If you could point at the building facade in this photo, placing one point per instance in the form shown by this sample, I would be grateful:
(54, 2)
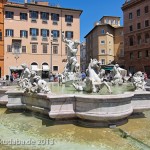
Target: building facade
(137, 35)
(105, 41)
(2, 2)
(83, 65)
(33, 36)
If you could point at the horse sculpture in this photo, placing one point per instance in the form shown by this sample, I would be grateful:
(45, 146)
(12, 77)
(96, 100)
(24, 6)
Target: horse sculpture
(96, 83)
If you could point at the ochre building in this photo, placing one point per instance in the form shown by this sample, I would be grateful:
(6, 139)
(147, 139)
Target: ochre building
(33, 36)
(105, 41)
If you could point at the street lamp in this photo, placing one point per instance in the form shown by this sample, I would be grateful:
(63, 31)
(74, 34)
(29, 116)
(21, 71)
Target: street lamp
(51, 65)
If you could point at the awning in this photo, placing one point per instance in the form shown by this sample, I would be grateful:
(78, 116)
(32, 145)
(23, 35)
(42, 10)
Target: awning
(34, 68)
(16, 68)
(45, 67)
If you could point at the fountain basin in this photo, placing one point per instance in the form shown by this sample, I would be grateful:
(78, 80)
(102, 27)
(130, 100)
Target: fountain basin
(92, 109)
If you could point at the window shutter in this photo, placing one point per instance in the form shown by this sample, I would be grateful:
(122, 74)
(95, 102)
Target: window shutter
(12, 33)
(41, 32)
(37, 32)
(12, 15)
(52, 18)
(27, 33)
(30, 14)
(66, 33)
(26, 16)
(58, 33)
(47, 32)
(6, 32)
(57, 17)
(71, 34)
(47, 16)
(71, 18)
(20, 16)
(37, 14)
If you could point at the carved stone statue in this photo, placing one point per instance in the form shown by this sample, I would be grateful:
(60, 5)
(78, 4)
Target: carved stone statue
(31, 83)
(71, 54)
(92, 82)
(138, 81)
(117, 77)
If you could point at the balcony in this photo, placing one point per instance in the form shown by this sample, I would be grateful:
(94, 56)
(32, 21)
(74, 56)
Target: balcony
(34, 38)
(33, 20)
(44, 39)
(55, 39)
(44, 21)
(69, 24)
(55, 22)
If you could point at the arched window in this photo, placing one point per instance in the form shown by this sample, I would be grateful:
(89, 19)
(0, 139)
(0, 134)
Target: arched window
(146, 38)
(34, 66)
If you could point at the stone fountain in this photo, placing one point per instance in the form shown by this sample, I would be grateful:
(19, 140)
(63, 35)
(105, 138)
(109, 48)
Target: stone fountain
(85, 109)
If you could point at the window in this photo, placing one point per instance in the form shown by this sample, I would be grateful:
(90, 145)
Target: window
(138, 25)
(23, 49)
(68, 18)
(34, 14)
(139, 39)
(44, 32)
(34, 32)
(139, 54)
(146, 9)
(55, 68)
(23, 33)
(146, 23)
(131, 41)
(102, 31)
(9, 48)
(44, 48)
(55, 49)
(44, 16)
(102, 42)
(102, 51)
(146, 53)
(9, 32)
(147, 38)
(55, 33)
(23, 16)
(131, 55)
(0, 36)
(69, 34)
(131, 28)
(9, 14)
(34, 48)
(130, 16)
(54, 17)
(138, 12)
(107, 21)
(103, 61)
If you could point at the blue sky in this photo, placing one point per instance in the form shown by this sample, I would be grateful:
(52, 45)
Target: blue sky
(93, 10)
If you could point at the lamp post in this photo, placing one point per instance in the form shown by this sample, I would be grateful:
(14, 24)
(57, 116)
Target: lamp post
(51, 63)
